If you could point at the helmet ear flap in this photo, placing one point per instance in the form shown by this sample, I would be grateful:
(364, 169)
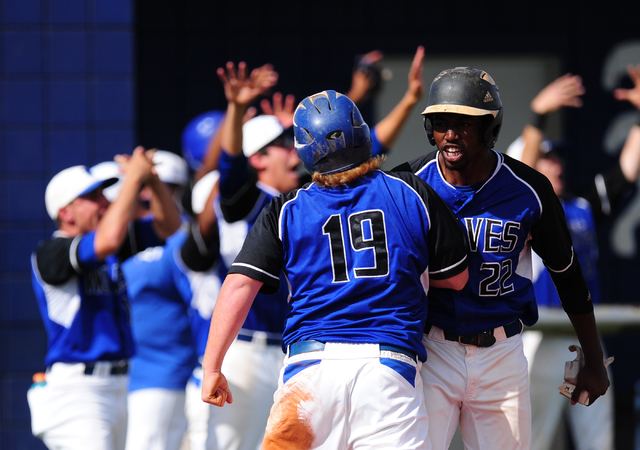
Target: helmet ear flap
(428, 127)
(493, 130)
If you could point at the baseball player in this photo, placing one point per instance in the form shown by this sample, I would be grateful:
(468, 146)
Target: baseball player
(476, 374)
(591, 427)
(165, 350)
(357, 271)
(82, 298)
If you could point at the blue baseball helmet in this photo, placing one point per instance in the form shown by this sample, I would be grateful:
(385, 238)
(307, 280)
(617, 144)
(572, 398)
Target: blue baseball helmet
(330, 134)
(196, 135)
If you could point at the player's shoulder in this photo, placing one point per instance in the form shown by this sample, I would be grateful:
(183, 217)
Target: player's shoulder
(52, 259)
(279, 202)
(416, 164)
(527, 174)
(408, 178)
(51, 247)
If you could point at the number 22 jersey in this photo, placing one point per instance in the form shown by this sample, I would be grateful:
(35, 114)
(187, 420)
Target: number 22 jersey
(505, 216)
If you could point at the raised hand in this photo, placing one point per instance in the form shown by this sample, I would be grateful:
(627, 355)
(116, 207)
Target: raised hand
(138, 165)
(283, 111)
(416, 84)
(242, 89)
(631, 95)
(564, 91)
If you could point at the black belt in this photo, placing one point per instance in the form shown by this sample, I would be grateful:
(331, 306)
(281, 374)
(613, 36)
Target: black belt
(483, 339)
(250, 338)
(117, 367)
(316, 346)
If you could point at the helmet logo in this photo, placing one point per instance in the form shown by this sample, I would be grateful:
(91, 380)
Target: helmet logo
(488, 97)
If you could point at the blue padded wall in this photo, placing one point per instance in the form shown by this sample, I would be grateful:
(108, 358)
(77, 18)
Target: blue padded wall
(67, 87)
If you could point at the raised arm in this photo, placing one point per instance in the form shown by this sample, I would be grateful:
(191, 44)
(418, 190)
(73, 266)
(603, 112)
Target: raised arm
(564, 91)
(389, 128)
(240, 90)
(162, 206)
(366, 77)
(113, 225)
(212, 153)
(630, 155)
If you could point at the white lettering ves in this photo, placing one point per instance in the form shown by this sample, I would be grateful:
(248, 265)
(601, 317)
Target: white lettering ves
(496, 236)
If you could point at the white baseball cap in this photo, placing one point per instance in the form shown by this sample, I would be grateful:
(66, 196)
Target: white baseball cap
(259, 132)
(171, 168)
(70, 184)
(201, 191)
(109, 169)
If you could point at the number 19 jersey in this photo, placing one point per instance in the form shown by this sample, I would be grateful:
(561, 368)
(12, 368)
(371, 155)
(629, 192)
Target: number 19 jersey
(357, 258)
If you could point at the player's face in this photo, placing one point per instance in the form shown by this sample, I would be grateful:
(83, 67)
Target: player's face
(280, 165)
(552, 169)
(86, 211)
(459, 139)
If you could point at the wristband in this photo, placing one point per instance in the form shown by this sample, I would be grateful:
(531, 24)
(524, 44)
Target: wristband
(539, 121)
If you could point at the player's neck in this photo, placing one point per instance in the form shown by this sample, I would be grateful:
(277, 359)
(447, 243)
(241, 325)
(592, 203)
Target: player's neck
(475, 171)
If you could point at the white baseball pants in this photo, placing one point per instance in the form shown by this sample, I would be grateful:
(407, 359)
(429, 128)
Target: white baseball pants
(75, 411)
(485, 390)
(345, 397)
(157, 419)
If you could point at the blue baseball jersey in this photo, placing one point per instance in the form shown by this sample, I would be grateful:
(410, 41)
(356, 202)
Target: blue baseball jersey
(82, 300)
(159, 294)
(514, 210)
(242, 200)
(357, 259)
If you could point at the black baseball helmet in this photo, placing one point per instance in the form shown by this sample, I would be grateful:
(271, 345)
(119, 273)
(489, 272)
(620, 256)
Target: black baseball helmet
(468, 91)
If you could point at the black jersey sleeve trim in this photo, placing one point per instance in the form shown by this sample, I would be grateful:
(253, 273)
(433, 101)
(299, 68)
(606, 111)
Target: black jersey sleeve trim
(53, 260)
(196, 254)
(573, 291)
(607, 191)
(242, 203)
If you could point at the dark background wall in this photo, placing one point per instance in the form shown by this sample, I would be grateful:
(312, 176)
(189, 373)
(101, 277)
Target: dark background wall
(82, 80)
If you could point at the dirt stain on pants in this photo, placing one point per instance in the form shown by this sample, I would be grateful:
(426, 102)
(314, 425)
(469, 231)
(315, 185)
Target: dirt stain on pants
(289, 425)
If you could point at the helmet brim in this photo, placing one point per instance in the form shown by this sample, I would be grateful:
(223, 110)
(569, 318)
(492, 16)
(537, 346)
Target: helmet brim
(459, 109)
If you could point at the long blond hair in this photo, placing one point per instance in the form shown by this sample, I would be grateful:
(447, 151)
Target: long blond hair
(346, 177)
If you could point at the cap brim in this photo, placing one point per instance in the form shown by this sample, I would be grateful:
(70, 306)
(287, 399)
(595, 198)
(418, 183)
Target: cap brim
(101, 183)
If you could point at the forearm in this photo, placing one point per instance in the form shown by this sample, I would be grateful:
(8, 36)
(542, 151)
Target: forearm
(231, 310)
(630, 155)
(207, 219)
(587, 333)
(113, 225)
(389, 128)
(212, 154)
(231, 130)
(532, 138)
(166, 216)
